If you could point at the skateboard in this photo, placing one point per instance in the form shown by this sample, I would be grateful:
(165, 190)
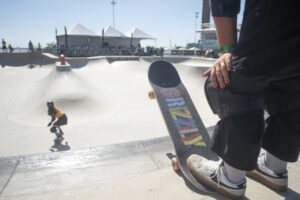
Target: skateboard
(186, 129)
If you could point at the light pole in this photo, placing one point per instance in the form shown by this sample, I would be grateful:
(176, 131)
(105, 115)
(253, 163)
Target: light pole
(113, 2)
(196, 16)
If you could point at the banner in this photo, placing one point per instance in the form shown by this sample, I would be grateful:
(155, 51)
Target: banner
(210, 44)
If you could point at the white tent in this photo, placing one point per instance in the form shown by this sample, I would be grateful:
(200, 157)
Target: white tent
(78, 37)
(112, 32)
(78, 29)
(138, 34)
(193, 49)
(168, 50)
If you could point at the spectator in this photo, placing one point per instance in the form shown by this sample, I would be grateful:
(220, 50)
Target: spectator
(11, 49)
(30, 46)
(39, 48)
(4, 45)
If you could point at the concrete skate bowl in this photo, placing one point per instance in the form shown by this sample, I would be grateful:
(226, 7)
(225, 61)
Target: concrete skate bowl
(107, 96)
(70, 91)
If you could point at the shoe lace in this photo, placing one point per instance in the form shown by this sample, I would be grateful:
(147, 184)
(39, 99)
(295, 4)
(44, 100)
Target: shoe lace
(217, 170)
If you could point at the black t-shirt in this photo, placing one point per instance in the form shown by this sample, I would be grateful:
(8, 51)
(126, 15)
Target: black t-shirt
(269, 41)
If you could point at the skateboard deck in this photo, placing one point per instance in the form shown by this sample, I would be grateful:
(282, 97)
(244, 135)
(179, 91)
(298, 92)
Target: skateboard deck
(186, 129)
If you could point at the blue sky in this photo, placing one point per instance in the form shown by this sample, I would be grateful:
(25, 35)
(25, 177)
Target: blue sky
(169, 21)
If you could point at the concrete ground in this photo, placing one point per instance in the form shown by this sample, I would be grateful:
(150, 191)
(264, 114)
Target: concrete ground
(134, 170)
(116, 144)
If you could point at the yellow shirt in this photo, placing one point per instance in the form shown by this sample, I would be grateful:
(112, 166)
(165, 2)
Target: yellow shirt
(58, 113)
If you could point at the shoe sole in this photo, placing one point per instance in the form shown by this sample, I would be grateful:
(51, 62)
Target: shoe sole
(267, 182)
(212, 184)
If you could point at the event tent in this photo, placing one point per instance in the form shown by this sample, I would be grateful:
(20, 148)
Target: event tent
(109, 31)
(78, 37)
(137, 34)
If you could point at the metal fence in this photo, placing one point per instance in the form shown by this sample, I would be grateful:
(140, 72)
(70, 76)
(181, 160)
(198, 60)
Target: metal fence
(104, 52)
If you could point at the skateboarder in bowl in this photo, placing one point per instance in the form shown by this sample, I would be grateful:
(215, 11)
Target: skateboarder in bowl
(260, 71)
(61, 117)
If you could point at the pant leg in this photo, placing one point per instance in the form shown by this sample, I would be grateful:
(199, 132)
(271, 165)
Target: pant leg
(239, 134)
(282, 137)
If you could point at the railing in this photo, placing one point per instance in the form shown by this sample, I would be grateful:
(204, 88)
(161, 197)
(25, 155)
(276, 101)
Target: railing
(75, 52)
(104, 52)
(24, 50)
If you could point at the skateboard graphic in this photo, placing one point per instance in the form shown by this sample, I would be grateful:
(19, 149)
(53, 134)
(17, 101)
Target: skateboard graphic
(186, 129)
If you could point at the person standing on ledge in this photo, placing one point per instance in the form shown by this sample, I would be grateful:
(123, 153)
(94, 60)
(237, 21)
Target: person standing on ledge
(30, 46)
(11, 49)
(260, 71)
(4, 45)
(61, 117)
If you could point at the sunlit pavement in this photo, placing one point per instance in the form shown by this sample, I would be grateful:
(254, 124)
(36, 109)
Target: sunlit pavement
(116, 144)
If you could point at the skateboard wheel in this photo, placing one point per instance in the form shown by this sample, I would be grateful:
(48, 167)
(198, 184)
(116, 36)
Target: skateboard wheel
(175, 164)
(151, 95)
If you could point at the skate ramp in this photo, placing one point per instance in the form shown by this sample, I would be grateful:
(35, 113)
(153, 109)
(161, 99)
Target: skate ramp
(106, 103)
(70, 92)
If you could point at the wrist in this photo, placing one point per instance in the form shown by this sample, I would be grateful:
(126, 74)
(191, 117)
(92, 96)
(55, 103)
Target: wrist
(226, 49)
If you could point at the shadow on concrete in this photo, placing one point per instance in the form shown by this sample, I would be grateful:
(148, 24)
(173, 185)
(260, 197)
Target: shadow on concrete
(290, 194)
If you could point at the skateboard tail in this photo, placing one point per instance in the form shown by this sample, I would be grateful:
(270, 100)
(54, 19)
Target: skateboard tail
(187, 173)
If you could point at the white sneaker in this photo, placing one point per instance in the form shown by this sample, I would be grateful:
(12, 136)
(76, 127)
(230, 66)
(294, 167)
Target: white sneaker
(212, 173)
(276, 180)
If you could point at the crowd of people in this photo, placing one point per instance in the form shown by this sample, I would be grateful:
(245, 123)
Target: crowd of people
(4, 48)
(10, 49)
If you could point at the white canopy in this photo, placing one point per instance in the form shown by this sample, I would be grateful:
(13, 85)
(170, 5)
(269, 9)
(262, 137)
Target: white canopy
(194, 49)
(111, 32)
(80, 30)
(136, 33)
(207, 30)
(170, 48)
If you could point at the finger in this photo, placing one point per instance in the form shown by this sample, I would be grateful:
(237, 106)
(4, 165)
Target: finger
(224, 72)
(219, 75)
(228, 61)
(207, 73)
(213, 77)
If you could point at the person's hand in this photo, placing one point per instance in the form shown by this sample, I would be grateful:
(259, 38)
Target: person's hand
(219, 71)
(50, 124)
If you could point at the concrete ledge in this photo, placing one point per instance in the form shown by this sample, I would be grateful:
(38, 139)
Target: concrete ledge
(21, 175)
(134, 170)
(63, 68)
(41, 173)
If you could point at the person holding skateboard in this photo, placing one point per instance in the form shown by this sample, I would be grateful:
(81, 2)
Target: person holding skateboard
(260, 71)
(61, 117)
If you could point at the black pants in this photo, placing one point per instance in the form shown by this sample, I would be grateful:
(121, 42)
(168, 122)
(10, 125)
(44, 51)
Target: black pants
(243, 130)
(63, 120)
